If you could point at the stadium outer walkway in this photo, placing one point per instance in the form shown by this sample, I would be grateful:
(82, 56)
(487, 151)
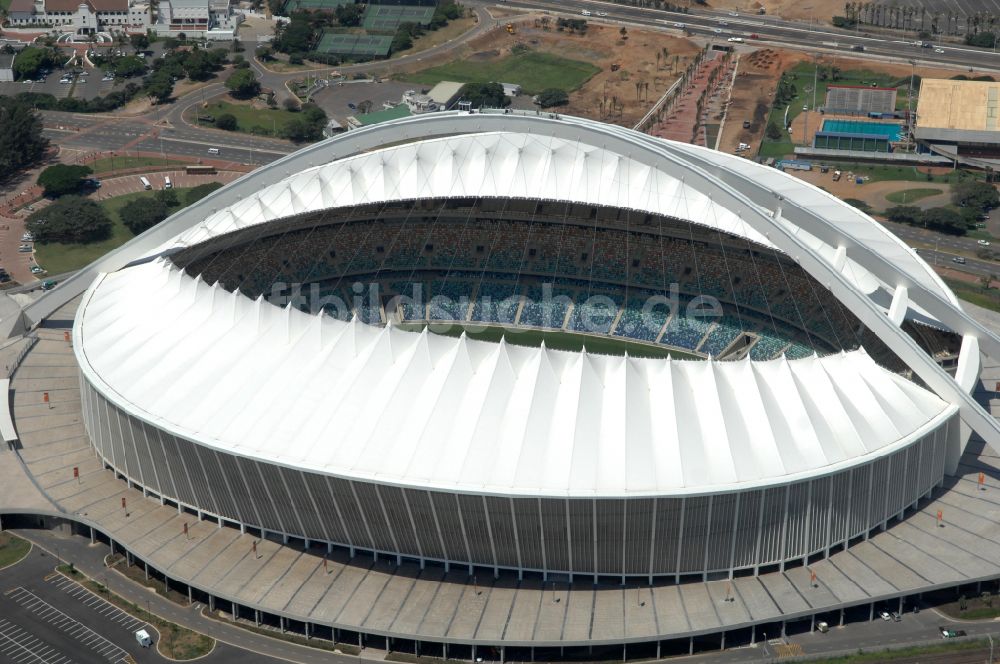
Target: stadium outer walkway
(376, 602)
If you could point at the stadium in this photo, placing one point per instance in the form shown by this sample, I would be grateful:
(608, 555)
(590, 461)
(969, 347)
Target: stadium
(531, 345)
(320, 421)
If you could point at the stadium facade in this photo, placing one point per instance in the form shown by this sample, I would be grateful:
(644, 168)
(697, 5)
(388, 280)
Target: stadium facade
(819, 399)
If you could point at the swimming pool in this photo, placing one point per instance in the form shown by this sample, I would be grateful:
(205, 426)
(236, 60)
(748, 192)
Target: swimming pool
(889, 130)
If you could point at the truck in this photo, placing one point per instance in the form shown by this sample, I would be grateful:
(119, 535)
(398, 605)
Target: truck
(836, 176)
(143, 639)
(144, 181)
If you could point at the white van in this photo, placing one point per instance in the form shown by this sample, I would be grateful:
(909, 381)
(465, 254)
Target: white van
(585, 12)
(167, 184)
(145, 183)
(143, 639)
(213, 151)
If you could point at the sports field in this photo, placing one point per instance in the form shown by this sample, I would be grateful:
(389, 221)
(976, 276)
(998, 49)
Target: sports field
(352, 45)
(386, 18)
(534, 71)
(313, 5)
(604, 345)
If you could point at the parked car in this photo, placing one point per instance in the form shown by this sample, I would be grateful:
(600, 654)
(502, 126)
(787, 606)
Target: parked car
(36, 269)
(27, 237)
(984, 243)
(939, 50)
(884, 615)
(951, 633)
(958, 259)
(896, 617)
(25, 249)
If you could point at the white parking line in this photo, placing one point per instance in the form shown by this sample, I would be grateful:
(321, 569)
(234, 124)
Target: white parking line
(99, 604)
(71, 626)
(22, 647)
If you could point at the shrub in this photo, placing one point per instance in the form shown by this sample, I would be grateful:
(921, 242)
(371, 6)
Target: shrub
(226, 121)
(70, 219)
(62, 179)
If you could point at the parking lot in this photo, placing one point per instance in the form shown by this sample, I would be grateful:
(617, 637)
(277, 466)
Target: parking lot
(106, 650)
(47, 619)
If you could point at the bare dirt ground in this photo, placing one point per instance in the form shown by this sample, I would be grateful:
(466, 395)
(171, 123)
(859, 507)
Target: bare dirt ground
(752, 95)
(602, 45)
(874, 193)
(810, 10)
(757, 77)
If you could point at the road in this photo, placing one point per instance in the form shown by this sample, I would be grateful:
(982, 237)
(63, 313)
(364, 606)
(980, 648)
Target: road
(720, 24)
(47, 619)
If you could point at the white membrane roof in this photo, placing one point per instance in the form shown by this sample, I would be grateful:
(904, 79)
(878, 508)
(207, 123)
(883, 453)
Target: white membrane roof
(422, 410)
(522, 165)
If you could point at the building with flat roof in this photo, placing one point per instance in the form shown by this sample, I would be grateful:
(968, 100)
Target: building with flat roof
(6, 67)
(960, 120)
(80, 16)
(445, 94)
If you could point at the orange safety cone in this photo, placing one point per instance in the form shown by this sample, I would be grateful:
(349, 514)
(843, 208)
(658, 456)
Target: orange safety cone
(982, 481)
(45, 399)
(940, 517)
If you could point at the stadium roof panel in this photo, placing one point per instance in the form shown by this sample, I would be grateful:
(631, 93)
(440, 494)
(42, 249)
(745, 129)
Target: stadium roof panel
(958, 105)
(418, 409)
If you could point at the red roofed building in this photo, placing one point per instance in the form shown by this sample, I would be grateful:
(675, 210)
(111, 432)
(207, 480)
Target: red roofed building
(80, 16)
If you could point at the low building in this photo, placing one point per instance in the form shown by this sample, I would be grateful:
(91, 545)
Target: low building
(80, 17)
(960, 120)
(445, 94)
(419, 103)
(213, 19)
(6, 67)
(511, 89)
(386, 114)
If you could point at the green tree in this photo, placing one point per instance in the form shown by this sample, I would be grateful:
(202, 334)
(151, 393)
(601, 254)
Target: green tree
(195, 194)
(944, 220)
(129, 66)
(159, 87)
(21, 140)
(298, 130)
(199, 65)
(168, 197)
(552, 97)
(243, 84)
(983, 39)
(139, 42)
(904, 214)
(975, 194)
(141, 214)
(484, 95)
(31, 59)
(295, 36)
(226, 121)
(70, 219)
(349, 15)
(62, 179)
(773, 131)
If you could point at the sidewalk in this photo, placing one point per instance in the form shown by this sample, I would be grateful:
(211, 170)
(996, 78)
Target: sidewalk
(90, 560)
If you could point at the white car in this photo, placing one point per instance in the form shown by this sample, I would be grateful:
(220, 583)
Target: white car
(737, 40)
(939, 50)
(884, 615)
(717, 30)
(678, 25)
(25, 249)
(984, 243)
(734, 13)
(27, 237)
(602, 13)
(27, 80)
(585, 12)
(36, 270)
(108, 78)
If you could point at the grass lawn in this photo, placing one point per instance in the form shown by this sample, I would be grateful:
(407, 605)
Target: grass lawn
(57, 257)
(912, 653)
(106, 165)
(555, 340)
(175, 642)
(532, 70)
(265, 122)
(4, 5)
(12, 549)
(437, 37)
(908, 196)
(987, 299)
(880, 173)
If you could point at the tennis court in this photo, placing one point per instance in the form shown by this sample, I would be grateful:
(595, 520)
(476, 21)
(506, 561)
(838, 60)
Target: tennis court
(386, 18)
(353, 45)
(313, 5)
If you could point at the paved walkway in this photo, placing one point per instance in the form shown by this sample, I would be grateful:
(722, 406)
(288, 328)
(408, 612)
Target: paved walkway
(382, 598)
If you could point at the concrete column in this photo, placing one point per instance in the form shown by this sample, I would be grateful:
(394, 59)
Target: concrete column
(243, 529)
(211, 602)
(658, 649)
(190, 597)
(753, 634)
(329, 548)
(901, 601)
(871, 612)
(146, 567)
(281, 623)
(256, 616)
(446, 651)
(690, 645)
(722, 646)
(92, 538)
(812, 624)
(782, 629)
(841, 617)
(308, 635)
(503, 654)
